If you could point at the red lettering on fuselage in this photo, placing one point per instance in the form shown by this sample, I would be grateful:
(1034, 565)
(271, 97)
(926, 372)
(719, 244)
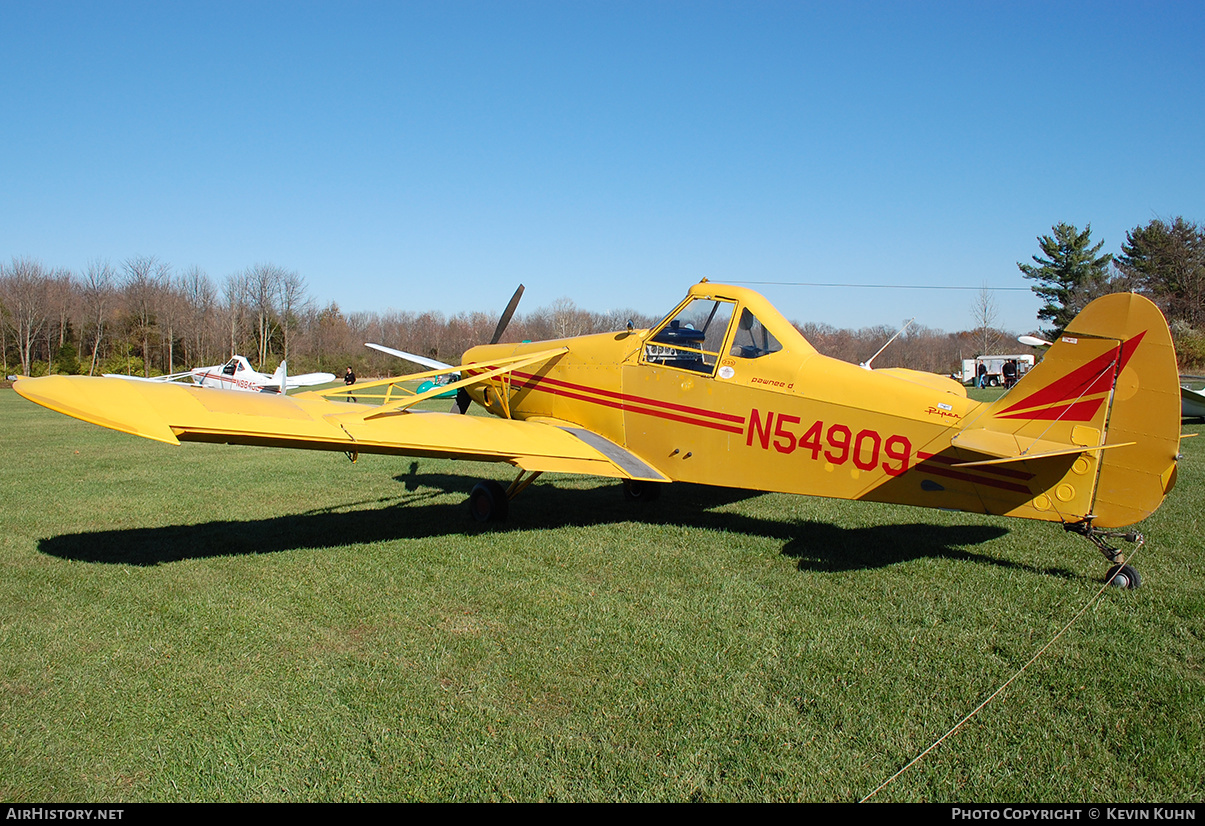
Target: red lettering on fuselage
(837, 441)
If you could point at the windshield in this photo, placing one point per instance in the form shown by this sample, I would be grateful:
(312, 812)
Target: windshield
(692, 339)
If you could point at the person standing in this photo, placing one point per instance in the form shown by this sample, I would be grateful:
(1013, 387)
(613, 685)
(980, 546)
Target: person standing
(1010, 373)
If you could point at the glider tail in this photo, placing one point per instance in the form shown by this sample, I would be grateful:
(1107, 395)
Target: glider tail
(279, 380)
(1111, 382)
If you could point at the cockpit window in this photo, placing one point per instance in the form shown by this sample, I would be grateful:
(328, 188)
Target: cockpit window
(752, 339)
(230, 367)
(692, 339)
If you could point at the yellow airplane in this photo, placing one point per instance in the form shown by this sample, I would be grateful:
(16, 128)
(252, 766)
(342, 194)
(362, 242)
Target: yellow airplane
(725, 391)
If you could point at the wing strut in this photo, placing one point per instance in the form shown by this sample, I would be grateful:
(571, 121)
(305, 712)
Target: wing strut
(497, 368)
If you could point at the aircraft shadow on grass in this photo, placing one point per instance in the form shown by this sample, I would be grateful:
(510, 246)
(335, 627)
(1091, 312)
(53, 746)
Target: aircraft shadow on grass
(424, 512)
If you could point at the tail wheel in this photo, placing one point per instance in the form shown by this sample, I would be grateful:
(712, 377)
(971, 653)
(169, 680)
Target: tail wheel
(488, 502)
(635, 490)
(1123, 576)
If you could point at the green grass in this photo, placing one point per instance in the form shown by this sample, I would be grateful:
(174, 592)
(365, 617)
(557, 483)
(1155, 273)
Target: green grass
(212, 623)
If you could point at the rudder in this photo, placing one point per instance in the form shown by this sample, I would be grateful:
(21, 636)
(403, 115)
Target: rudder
(1144, 409)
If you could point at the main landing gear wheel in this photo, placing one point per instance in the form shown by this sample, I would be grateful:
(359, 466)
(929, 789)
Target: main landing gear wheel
(1123, 576)
(635, 490)
(488, 502)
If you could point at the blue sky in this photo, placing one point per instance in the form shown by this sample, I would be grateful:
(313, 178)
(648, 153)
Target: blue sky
(432, 155)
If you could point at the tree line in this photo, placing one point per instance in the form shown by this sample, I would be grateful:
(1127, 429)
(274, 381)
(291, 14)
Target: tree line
(143, 317)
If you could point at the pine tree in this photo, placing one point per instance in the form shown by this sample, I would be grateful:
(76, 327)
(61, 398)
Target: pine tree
(1070, 271)
(1167, 259)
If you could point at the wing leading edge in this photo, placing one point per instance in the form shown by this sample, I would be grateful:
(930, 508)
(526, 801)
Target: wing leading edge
(176, 413)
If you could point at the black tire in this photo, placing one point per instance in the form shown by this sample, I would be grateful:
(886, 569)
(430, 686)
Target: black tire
(1123, 576)
(488, 502)
(635, 490)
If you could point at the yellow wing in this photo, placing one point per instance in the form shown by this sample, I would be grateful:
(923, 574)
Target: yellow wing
(175, 413)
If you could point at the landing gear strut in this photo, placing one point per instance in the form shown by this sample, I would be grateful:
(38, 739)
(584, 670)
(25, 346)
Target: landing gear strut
(1120, 575)
(490, 502)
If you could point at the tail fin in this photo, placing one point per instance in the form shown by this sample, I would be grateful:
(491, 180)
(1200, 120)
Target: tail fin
(1145, 409)
(1109, 381)
(279, 380)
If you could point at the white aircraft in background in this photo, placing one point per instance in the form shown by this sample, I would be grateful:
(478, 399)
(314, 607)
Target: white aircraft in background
(237, 374)
(1192, 402)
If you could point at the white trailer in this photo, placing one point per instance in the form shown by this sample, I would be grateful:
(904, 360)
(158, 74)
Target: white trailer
(993, 375)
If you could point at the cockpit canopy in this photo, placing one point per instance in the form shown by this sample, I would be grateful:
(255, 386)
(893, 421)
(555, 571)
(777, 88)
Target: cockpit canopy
(707, 329)
(235, 365)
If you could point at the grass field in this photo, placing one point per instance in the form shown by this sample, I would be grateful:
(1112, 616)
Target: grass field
(212, 623)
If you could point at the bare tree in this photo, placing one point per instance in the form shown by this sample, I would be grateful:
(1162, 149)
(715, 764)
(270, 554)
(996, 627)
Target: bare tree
(24, 290)
(144, 277)
(985, 315)
(263, 288)
(200, 300)
(171, 310)
(234, 295)
(97, 293)
(293, 301)
(61, 298)
(331, 336)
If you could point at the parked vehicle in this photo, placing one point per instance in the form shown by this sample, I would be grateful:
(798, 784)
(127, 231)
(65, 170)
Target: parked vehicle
(992, 369)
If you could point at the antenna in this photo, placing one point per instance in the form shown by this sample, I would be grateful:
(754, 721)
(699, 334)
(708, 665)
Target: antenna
(866, 364)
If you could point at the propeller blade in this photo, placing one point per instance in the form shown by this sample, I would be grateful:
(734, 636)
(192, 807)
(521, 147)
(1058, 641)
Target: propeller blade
(506, 314)
(422, 361)
(463, 400)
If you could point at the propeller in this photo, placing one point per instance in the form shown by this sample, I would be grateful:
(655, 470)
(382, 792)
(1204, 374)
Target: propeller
(463, 400)
(506, 315)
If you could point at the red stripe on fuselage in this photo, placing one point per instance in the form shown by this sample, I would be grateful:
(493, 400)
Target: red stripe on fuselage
(634, 404)
(975, 480)
(930, 463)
(259, 388)
(1011, 473)
(626, 397)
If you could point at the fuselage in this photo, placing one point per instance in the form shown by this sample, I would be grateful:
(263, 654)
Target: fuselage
(724, 391)
(703, 407)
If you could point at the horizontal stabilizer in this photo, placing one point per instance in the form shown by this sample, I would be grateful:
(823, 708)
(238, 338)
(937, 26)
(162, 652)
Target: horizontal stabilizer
(155, 379)
(1014, 447)
(1048, 454)
(310, 379)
